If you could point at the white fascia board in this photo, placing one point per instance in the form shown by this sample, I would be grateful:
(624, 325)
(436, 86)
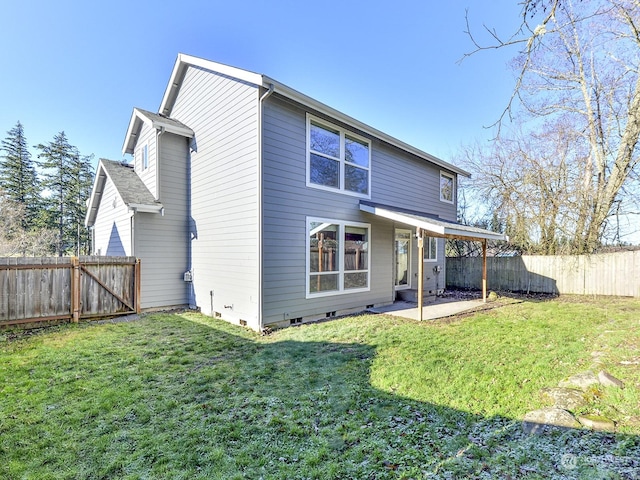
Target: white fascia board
(171, 128)
(346, 119)
(399, 217)
(138, 117)
(183, 61)
(96, 195)
(487, 235)
(129, 140)
(442, 230)
(139, 207)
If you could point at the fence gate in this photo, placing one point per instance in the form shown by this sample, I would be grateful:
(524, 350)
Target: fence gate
(67, 288)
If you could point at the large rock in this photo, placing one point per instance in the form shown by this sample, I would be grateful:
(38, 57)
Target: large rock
(597, 422)
(580, 380)
(539, 421)
(564, 398)
(609, 380)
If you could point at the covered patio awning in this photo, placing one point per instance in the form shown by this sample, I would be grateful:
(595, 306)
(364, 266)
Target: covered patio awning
(434, 226)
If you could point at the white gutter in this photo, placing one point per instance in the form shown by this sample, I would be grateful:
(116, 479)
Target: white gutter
(440, 228)
(264, 96)
(159, 132)
(142, 208)
(183, 61)
(346, 119)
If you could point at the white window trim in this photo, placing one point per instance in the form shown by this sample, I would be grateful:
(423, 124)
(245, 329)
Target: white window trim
(342, 161)
(341, 228)
(144, 147)
(410, 253)
(453, 187)
(427, 249)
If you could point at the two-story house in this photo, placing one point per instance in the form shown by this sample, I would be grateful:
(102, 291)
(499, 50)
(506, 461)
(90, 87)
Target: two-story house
(259, 204)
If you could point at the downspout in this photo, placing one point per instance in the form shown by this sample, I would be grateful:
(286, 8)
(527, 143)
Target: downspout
(133, 233)
(159, 133)
(264, 96)
(191, 237)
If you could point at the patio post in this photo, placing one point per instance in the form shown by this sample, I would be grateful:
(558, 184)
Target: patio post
(420, 235)
(484, 270)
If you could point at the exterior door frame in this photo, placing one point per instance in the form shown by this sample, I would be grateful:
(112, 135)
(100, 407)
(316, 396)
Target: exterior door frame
(395, 258)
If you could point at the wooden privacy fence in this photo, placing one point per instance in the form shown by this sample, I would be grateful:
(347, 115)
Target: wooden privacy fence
(602, 274)
(67, 288)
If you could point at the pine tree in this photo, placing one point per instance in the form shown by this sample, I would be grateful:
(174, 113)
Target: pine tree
(68, 182)
(18, 177)
(76, 199)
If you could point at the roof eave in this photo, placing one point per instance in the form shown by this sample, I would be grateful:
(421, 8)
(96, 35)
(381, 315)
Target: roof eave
(138, 118)
(132, 133)
(184, 61)
(96, 195)
(145, 208)
(305, 100)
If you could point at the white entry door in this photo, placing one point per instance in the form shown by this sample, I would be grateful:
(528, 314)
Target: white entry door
(403, 258)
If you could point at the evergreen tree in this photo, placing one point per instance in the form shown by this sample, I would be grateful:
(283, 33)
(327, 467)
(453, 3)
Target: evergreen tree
(68, 182)
(18, 177)
(76, 199)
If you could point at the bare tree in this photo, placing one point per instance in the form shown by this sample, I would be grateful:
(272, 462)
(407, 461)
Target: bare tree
(577, 68)
(15, 239)
(530, 185)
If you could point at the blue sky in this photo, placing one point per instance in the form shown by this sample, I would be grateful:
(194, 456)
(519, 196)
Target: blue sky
(81, 67)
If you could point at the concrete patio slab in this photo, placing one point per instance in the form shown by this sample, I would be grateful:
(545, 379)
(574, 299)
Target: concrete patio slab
(430, 311)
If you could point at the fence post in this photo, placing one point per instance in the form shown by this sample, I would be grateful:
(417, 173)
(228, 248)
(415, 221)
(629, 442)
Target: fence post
(75, 289)
(137, 284)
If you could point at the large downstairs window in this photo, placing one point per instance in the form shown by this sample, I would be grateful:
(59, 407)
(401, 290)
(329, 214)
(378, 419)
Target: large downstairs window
(337, 159)
(338, 257)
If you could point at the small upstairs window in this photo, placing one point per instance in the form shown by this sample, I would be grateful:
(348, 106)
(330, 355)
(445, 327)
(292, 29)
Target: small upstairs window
(447, 187)
(145, 157)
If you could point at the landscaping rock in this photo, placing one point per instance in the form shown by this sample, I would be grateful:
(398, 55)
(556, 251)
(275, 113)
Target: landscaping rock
(581, 380)
(492, 297)
(564, 398)
(597, 422)
(633, 421)
(539, 421)
(609, 380)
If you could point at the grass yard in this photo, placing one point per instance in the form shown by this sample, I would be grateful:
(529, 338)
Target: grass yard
(365, 397)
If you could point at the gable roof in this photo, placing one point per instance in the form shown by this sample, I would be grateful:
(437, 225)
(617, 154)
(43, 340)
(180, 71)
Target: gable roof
(155, 120)
(130, 188)
(183, 62)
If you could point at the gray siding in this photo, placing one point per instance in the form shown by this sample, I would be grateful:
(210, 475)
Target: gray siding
(112, 228)
(224, 185)
(396, 179)
(161, 241)
(147, 175)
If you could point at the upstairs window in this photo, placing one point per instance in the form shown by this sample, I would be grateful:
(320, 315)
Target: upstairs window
(447, 186)
(337, 160)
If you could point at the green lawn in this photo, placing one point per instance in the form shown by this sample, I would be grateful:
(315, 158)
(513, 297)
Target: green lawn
(364, 397)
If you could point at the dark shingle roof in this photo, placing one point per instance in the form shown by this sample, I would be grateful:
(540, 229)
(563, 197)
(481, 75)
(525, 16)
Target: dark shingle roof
(128, 184)
(162, 119)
